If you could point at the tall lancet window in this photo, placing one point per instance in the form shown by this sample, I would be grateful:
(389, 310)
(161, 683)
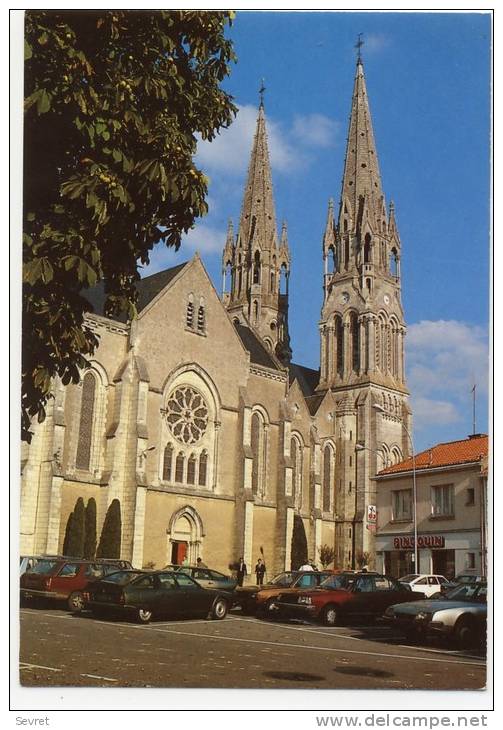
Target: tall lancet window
(167, 463)
(255, 448)
(296, 459)
(83, 457)
(339, 343)
(366, 249)
(355, 342)
(327, 478)
(256, 268)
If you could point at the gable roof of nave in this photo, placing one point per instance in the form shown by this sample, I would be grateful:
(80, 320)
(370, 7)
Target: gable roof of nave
(151, 287)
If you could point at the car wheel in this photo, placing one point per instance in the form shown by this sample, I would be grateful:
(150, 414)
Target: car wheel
(76, 602)
(330, 616)
(464, 633)
(219, 609)
(143, 616)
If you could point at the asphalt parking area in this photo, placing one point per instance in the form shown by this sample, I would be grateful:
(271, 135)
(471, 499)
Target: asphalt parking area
(58, 648)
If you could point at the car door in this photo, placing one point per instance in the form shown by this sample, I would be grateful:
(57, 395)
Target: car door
(145, 593)
(194, 600)
(362, 594)
(170, 598)
(389, 592)
(65, 581)
(203, 577)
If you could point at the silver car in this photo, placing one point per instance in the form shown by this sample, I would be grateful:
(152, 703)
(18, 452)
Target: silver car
(460, 615)
(207, 577)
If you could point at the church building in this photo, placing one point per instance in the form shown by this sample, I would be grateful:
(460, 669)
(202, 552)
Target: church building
(195, 417)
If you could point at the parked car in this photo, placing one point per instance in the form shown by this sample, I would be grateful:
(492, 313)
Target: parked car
(461, 579)
(207, 577)
(141, 595)
(424, 583)
(265, 599)
(460, 615)
(344, 596)
(28, 562)
(64, 580)
(246, 596)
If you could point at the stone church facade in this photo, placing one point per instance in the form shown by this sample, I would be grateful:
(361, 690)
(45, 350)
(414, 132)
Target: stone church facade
(194, 415)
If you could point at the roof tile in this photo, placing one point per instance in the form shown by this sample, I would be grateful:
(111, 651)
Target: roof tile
(466, 451)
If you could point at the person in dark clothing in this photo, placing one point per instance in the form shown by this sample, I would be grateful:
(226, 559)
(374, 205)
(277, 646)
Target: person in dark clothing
(260, 571)
(241, 571)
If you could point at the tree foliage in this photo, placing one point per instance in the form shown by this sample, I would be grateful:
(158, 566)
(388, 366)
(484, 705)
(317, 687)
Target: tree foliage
(327, 555)
(110, 540)
(299, 543)
(68, 532)
(90, 530)
(113, 103)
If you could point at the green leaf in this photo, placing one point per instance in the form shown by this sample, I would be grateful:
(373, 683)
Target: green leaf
(43, 102)
(117, 155)
(28, 53)
(42, 39)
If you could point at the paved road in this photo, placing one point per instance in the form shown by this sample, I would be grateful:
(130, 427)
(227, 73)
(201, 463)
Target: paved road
(59, 649)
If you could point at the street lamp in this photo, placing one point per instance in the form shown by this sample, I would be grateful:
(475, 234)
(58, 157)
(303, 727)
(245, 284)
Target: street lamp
(380, 409)
(362, 447)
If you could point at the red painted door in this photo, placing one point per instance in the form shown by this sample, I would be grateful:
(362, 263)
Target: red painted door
(178, 552)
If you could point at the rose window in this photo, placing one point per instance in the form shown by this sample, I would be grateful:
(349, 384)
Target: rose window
(187, 415)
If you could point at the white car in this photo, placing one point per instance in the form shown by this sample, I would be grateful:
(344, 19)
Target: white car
(427, 584)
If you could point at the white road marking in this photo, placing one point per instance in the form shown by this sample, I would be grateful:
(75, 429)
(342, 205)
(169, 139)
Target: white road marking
(96, 676)
(314, 648)
(321, 632)
(25, 665)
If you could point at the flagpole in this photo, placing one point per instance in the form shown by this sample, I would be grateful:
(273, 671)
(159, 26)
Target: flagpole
(474, 422)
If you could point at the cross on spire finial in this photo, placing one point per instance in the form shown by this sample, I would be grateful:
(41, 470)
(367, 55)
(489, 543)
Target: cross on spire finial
(359, 43)
(261, 92)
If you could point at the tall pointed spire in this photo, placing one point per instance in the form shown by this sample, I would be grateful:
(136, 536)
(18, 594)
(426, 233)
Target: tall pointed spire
(257, 225)
(259, 267)
(361, 169)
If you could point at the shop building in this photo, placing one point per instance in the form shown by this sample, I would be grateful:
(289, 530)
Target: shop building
(451, 489)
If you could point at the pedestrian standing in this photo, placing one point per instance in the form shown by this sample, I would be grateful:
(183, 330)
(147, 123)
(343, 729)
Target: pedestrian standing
(241, 571)
(260, 571)
(200, 563)
(307, 566)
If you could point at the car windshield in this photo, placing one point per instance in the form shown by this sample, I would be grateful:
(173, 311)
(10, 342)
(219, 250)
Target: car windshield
(335, 582)
(408, 578)
(283, 579)
(44, 566)
(122, 577)
(468, 592)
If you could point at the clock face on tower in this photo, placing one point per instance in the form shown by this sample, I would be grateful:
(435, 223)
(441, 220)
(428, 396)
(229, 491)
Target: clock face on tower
(386, 299)
(344, 297)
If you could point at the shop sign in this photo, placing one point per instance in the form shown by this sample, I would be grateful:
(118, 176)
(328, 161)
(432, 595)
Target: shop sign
(423, 541)
(371, 513)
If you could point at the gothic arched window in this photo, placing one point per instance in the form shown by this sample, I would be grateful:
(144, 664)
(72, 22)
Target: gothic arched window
(327, 478)
(296, 459)
(366, 249)
(191, 469)
(167, 463)
(83, 457)
(201, 316)
(256, 268)
(203, 467)
(339, 342)
(180, 459)
(355, 342)
(256, 448)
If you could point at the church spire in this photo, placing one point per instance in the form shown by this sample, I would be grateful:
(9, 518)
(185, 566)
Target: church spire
(256, 267)
(257, 226)
(361, 180)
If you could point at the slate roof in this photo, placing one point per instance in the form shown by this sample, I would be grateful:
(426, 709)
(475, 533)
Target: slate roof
(307, 378)
(467, 451)
(148, 288)
(259, 354)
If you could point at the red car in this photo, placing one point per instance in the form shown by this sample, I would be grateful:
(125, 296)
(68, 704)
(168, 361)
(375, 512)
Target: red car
(65, 580)
(356, 595)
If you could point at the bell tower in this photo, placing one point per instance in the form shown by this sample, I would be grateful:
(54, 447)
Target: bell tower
(362, 330)
(255, 265)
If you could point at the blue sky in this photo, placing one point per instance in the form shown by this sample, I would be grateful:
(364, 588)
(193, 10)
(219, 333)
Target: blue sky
(428, 79)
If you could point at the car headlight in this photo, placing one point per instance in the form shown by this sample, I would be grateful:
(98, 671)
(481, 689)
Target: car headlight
(423, 616)
(304, 599)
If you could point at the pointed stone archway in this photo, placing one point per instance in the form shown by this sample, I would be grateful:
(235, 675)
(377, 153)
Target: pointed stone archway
(185, 536)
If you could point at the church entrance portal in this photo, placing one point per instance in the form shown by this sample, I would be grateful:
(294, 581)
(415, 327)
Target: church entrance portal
(185, 536)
